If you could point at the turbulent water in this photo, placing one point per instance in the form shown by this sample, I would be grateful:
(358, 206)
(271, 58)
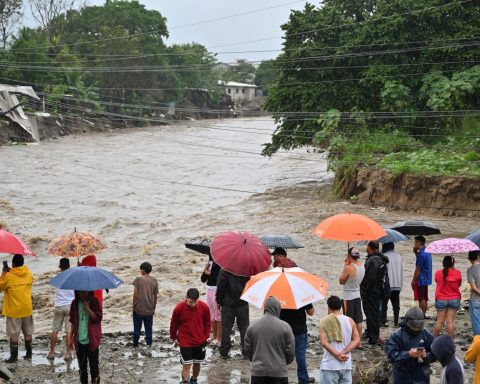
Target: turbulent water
(147, 191)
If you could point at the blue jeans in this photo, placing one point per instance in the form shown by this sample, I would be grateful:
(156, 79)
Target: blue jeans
(301, 342)
(137, 328)
(474, 311)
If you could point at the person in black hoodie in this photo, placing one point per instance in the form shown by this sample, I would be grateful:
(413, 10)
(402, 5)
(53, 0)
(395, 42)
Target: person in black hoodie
(229, 290)
(443, 349)
(373, 290)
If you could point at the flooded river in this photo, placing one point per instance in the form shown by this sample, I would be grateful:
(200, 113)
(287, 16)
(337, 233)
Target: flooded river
(147, 191)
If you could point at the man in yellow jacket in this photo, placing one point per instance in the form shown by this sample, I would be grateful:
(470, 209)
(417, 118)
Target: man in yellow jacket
(473, 356)
(17, 282)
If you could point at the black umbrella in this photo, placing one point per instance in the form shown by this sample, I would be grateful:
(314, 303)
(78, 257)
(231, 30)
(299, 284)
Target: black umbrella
(199, 245)
(416, 227)
(284, 241)
(475, 237)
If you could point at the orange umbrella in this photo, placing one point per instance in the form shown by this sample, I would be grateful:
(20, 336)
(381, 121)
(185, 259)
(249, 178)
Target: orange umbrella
(349, 227)
(293, 287)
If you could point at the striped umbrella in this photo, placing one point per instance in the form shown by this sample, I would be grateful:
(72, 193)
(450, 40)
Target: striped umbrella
(293, 287)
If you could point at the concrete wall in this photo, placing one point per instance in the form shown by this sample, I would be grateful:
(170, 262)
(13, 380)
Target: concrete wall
(240, 94)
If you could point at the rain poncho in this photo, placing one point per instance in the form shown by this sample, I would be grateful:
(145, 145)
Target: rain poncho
(444, 350)
(17, 284)
(407, 370)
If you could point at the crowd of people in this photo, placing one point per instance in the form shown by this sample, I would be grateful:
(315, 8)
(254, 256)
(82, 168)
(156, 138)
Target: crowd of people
(280, 337)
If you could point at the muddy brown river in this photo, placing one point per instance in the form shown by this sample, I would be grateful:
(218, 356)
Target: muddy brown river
(146, 192)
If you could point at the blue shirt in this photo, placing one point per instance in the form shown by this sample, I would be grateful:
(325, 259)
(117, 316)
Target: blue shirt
(424, 262)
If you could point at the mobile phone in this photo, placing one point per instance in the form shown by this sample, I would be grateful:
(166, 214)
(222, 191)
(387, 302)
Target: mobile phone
(5, 265)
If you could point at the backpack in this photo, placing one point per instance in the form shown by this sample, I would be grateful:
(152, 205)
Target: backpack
(385, 284)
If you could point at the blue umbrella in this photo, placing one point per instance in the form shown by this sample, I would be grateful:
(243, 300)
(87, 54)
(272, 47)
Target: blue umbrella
(475, 237)
(392, 236)
(85, 279)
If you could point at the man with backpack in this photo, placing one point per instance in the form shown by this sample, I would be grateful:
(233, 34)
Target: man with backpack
(374, 289)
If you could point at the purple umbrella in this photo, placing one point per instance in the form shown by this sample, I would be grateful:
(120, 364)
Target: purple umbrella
(452, 245)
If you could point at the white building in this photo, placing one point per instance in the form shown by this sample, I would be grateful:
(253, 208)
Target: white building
(239, 92)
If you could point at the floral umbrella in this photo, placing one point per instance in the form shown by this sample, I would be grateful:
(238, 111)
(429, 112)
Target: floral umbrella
(452, 245)
(76, 244)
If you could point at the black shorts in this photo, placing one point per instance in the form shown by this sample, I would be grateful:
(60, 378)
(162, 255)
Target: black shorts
(191, 355)
(353, 309)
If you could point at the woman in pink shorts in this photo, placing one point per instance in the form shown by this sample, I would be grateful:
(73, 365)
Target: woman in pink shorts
(210, 275)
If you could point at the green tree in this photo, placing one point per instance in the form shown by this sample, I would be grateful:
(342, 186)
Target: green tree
(10, 15)
(242, 72)
(266, 75)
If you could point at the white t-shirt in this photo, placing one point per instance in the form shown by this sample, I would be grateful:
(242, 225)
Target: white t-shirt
(63, 297)
(329, 362)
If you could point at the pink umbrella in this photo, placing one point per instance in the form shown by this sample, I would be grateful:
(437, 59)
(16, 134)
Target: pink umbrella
(452, 245)
(9, 243)
(240, 253)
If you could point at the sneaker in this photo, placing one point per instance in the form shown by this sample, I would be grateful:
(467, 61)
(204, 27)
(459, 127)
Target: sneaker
(193, 381)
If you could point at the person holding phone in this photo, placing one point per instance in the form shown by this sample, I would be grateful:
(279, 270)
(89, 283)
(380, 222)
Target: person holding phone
(409, 350)
(16, 283)
(210, 276)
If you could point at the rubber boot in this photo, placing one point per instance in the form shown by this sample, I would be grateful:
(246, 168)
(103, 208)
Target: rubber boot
(395, 317)
(13, 353)
(28, 349)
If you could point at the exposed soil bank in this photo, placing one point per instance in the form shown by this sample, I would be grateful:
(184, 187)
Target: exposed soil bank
(450, 196)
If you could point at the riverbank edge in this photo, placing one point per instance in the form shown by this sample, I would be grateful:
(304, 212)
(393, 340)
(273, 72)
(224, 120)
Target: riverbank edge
(443, 195)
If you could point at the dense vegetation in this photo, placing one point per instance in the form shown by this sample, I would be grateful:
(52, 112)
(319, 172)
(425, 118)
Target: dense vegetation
(390, 83)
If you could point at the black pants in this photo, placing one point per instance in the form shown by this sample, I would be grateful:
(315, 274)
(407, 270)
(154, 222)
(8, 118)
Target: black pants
(87, 357)
(268, 380)
(229, 315)
(372, 307)
(395, 299)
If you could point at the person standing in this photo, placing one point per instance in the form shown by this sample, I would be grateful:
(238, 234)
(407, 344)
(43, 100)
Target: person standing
(86, 317)
(473, 278)
(281, 260)
(17, 282)
(339, 337)
(422, 277)
(210, 276)
(229, 290)
(145, 295)
(473, 356)
(270, 346)
(373, 290)
(297, 319)
(190, 330)
(447, 296)
(91, 261)
(409, 350)
(395, 278)
(61, 315)
(443, 349)
(351, 278)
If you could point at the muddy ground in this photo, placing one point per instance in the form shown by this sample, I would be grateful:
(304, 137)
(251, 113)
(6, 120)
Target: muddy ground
(132, 188)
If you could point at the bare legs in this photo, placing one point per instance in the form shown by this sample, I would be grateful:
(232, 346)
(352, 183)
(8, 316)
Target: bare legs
(186, 371)
(423, 304)
(448, 316)
(217, 331)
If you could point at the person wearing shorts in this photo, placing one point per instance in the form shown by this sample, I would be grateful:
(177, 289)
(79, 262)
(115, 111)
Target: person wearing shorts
(422, 277)
(447, 296)
(210, 276)
(16, 283)
(61, 316)
(190, 330)
(351, 277)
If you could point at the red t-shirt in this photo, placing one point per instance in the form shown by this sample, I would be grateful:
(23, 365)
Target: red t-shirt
(190, 327)
(448, 289)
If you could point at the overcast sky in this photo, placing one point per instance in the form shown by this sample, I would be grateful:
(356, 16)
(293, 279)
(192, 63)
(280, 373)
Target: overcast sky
(217, 34)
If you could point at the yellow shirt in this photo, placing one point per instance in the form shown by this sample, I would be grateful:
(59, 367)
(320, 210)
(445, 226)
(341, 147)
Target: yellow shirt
(17, 285)
(473, 356)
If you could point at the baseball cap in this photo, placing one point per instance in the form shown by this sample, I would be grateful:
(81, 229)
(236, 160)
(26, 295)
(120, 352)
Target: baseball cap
(354, 252)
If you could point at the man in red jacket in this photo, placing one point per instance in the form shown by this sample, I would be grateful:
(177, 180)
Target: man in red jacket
(190, 330)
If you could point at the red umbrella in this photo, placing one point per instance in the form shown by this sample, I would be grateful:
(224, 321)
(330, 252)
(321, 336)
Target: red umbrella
(9, 243)
(240, 253)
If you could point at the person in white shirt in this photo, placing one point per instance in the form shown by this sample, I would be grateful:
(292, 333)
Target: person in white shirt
(339, 337)
(63, 300)
(395, 275)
